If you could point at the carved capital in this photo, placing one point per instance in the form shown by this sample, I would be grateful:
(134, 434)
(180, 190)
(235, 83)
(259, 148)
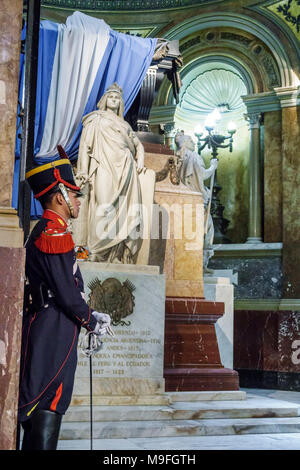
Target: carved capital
(169, 129)
(254, 120)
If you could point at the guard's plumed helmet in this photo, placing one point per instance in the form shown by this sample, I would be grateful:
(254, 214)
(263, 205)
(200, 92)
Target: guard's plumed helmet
(44, 178)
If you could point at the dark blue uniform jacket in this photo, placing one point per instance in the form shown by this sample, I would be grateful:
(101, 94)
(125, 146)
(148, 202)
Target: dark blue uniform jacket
(52, 322)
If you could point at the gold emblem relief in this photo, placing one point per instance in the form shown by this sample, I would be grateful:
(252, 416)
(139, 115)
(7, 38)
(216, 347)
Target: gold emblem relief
(112, 297)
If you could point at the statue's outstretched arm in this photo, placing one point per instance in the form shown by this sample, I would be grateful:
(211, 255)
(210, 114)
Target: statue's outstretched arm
(207, 172)
(85, 149)
(140, 153)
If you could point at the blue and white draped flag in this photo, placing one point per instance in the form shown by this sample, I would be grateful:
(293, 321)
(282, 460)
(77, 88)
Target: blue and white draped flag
(77, 62)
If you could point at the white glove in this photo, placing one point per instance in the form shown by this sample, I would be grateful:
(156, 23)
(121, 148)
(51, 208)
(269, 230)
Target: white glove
(103, 323)
(102, 317)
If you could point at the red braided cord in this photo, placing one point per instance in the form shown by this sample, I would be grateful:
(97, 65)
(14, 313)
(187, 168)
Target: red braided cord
(58, 178)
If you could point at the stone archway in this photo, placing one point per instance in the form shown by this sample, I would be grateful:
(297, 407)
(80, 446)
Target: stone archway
(257, 55)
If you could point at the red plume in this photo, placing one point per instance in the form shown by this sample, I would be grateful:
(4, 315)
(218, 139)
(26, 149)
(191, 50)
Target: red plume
(62, 152)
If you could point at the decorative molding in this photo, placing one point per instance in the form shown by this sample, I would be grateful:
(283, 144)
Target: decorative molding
(262, 102)
(247, 250)
(288, 96)
(257, 304)
(289, 304)
(162, 114)
(234, 44)
(267, 304)
(124, 5)
(221, 19)
(141, 31)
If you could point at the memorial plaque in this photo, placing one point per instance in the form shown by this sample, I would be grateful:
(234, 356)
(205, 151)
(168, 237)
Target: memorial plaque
(131, 362)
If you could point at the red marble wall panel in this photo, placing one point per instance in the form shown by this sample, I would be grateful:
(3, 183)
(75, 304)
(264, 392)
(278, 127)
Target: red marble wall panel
(267, 340)
(12, 262)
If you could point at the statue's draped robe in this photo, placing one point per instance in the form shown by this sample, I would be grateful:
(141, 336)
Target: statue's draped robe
(110, 222)
(193, 175)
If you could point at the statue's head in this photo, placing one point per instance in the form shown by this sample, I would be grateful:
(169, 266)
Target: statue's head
(179, 139)
(184, 141)
(113, 100)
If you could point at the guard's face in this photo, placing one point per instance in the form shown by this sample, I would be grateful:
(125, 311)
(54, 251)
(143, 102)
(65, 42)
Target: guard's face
(113, 101)
(75, 201)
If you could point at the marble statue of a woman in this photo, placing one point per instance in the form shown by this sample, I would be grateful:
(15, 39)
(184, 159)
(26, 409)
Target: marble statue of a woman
(110, 169)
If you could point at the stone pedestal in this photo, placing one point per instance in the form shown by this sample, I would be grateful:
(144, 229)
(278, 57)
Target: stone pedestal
(219, 288)
(177, 232)
(129, 368)
(192, 359)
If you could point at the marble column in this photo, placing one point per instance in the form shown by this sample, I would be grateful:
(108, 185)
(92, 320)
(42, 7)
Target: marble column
(272, 177)
(11, 23)
(12, 256)
(290, 104)
(255, 180)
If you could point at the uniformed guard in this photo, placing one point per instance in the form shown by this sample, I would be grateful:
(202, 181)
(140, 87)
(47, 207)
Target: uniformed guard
(55, 309)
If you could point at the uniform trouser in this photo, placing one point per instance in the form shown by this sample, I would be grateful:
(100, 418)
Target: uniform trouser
(41, 431)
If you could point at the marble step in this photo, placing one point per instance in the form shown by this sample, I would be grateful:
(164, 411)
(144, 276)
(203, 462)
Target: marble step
(207, 396)
(279, 441)
(171, 428)
(252, 408)
(160, 399)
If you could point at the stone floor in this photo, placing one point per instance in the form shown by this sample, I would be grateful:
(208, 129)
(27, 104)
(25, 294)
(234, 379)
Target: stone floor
(265, 420)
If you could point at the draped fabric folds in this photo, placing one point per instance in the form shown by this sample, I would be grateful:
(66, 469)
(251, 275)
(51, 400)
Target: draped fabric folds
(77, 62)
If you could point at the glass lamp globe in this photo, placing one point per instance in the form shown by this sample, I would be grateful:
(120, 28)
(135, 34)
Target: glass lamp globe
(231, 127)
(198, 130)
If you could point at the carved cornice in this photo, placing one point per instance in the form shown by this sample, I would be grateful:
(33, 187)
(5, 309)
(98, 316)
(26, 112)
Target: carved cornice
(280, 97)
(288, 96)
(123, 5)
(261, 102)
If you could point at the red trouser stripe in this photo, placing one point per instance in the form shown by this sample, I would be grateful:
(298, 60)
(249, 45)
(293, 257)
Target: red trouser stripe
(56, 398)
(61, 367)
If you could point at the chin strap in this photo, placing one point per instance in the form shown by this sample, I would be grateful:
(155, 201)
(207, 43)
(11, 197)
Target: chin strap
(66, 198)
